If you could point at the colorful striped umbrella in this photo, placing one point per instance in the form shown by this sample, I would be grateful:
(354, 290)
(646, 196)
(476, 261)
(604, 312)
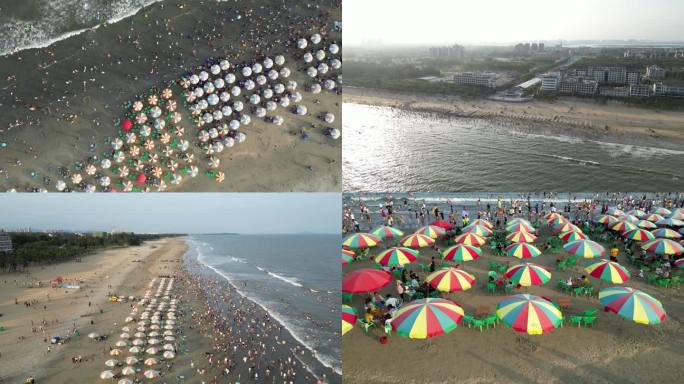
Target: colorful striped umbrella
(348, 318)
(442, 224)
(630, 218)
(679, 263)
(663, 247)
(637, 212)
(670, 222)
(558, 220)
(666, 233)
(572, 235)
(484, 222)
(365, 280)
(566, 227)
(615, 212)
(461, 253)
(519, 220)
(432, 231)
(552, 215)
(396, 256)
(638, 235)
(585, 248)
(346, 259)
(361, 240)
(417, 240)
(450, 279)
(645, 224)
(623, 226)
(521, 237)
(678, 215)
(632, 304)
(528, 274)
(386, 232)
(425, 318)
(653, 217)
(662, 211)
(517, 227)
(522, 250)
(609, 271)
(477, 230)
(529, 314)
(607, 220)
(470, 239)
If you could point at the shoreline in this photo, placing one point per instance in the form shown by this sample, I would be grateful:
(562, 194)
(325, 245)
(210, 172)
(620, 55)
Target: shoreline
(320, 371)
(614, 123)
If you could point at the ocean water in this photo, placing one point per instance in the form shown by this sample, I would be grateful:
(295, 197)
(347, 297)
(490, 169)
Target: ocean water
(388, 149)
(28, 24)
(291, 276)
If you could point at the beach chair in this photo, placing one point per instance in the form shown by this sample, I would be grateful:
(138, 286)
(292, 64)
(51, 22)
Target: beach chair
(578, 291)
(477, 323)
(651, 278)
(561, 265)
(665, 283)
(366, 326)
(468, 320)
(491, 288)
(589, 291)
(588, 321)
(491, 320)
(590, 312)
(576, 320)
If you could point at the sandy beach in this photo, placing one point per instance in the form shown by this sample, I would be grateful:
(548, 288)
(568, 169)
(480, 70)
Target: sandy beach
(611, 121)
(60, 105)
(612, 350)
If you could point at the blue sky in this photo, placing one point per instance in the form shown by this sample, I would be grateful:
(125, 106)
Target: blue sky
(174, 212)
(505, 21)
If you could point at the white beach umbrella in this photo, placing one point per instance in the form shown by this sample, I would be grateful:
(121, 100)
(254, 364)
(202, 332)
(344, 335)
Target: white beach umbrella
(141, 329)
(153, 341)
(153, 334)
(329, 118)
(315, 88)
(334, 48)
(301, 43)
(138, 342)
(139, 335)
(105, 375)
(301, 110)
(132, 360)
(169, 347)
(61, 185)
(135, 350)
(93, 335)
(168, 333)
(169, 338)
(111, 362)
(315, 38)
(125, 381)
(121, 343)
(168, 326)
(169, 355)
(154, 326)
(115, 352)
(308, 57)
(203, 75)
(320, 55)
(128, 371)
(151, 361)
(152, 351)
(151, 374)
(268, 63)
(279, 60)
(224, 64)
(126, 329)
(125, 336)
(334, 133)
(229, 78)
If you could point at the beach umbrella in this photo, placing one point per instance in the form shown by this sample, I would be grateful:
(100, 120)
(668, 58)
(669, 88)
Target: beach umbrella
(111, 362)
(346, 259)
(527, 274)
(470, 239)
(126, 124)
(417, 240)
(679, 263)
(125, 381)
(477, 230)
(169, 338)
(365, 280)
(442, 224)
(153, 341)
(115, 352)
(653, 217)
(519, 220)
(572, 235)
(135, 350)
(607, 220)
(609, 271)
(666, 233)
(637, 212)
(521, 237)
(615, 212)
(566, 227)
(520, 227)
(139, 335)
(585, 248)
(552, 215)
(624, 226)
(126, 329)
(150, 361)
(638, 235)
(645, 224)
(128, 371)
(522, 250)
(662, 211)
(425, 318)
(663, 247)
(484, 222)
(132, 360)
(125, 335)
(105, 375)
(386, 232)
(432, 231)
(93, 335)
(169, 347)
(152, 351)
(361, 240)
(678, 215)
(632, 304)
(121, 343)
(529, 314)
(396, 256)
(461, 253)
(169, 355)
(138, 342)
(348, 318)
(151, 374)
(450, 279)
(559, 220)
(670, 222)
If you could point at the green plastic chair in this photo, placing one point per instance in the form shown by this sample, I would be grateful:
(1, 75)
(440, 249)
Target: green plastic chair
(589, 291)
(468, 320)
(578, 291)
(675, 280)
(651, 278)
(576, 320)
(561, 265)
(502, 269)
(491, 288)
(491, 320)
(366, 326)
(665, 283)
(493, 265)
(590, 312)
(477, 323)
(588, 321)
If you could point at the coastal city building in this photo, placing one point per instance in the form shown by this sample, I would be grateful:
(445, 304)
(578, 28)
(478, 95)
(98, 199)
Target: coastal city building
(614, 91)
(5, 242)
(633, 77)
(550, 81)
(455, 52)
(578, 86)
(655, 72)
(483, 79)
(641, 90)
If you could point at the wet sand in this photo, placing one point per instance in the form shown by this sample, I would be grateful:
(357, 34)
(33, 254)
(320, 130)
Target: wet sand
(613, 350)
(59, 104)
(611, 122)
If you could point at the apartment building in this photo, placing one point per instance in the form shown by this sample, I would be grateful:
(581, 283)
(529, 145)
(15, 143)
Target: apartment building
(550, 81)
(578, 86)
(482, 79)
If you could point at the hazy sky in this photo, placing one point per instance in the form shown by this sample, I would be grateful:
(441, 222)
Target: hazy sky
(496, 21)
(174, 212)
